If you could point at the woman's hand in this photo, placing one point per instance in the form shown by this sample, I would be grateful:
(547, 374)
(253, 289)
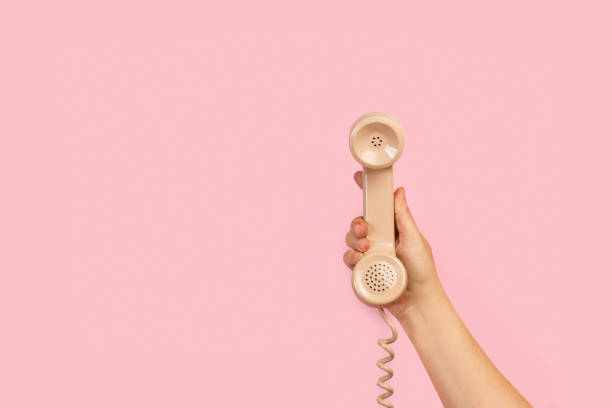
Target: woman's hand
(460, 371)
(412, 249)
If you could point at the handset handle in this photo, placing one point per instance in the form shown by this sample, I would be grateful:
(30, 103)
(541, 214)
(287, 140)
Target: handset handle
(378, 209)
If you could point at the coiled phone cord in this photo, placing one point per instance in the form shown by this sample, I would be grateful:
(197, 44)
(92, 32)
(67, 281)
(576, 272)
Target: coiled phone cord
(384, 343)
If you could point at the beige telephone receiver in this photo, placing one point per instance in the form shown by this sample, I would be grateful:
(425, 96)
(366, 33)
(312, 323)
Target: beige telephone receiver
(379, 278)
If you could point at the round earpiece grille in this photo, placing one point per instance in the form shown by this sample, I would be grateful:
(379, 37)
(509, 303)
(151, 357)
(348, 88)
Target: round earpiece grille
(379, 277)
(376, 141)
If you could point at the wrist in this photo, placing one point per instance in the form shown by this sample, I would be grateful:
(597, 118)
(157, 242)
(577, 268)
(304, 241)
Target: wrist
(421, 298)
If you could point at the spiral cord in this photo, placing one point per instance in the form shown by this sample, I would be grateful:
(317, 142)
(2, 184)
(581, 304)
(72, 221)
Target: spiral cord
(384, 343)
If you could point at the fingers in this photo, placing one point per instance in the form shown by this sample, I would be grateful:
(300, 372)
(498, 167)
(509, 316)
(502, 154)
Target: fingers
(359, 226)
(357, 240)
(356, 237)
(351, 257)
(358, 244)
(358, 176)
(405, 224)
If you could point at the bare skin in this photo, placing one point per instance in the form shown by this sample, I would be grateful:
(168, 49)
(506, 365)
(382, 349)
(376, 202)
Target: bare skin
(462, 374)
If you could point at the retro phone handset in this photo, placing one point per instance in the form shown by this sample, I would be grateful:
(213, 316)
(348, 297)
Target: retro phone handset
(379, 278)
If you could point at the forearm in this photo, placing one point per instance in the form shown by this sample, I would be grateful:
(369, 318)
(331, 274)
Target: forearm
(462, 374)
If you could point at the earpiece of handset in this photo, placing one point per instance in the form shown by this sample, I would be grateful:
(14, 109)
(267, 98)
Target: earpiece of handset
(376, 141)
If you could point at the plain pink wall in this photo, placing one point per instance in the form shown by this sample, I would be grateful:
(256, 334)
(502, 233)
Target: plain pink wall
(176, 185)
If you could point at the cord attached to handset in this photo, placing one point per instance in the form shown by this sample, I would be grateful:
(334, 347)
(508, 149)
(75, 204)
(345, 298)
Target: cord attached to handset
(379, 278)
(384, 343)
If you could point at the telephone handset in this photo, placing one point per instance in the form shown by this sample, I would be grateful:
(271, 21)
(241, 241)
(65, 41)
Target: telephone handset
(376, 141)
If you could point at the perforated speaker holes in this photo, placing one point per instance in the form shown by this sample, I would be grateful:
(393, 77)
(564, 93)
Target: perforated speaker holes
(376, 141)
(379, 278)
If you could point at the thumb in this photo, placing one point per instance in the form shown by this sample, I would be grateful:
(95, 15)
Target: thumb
(405, 224)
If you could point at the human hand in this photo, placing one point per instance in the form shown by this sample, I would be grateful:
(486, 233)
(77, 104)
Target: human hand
(411, 248)
(460, 371)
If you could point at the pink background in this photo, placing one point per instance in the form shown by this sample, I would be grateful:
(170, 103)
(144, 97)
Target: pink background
(176, 185)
